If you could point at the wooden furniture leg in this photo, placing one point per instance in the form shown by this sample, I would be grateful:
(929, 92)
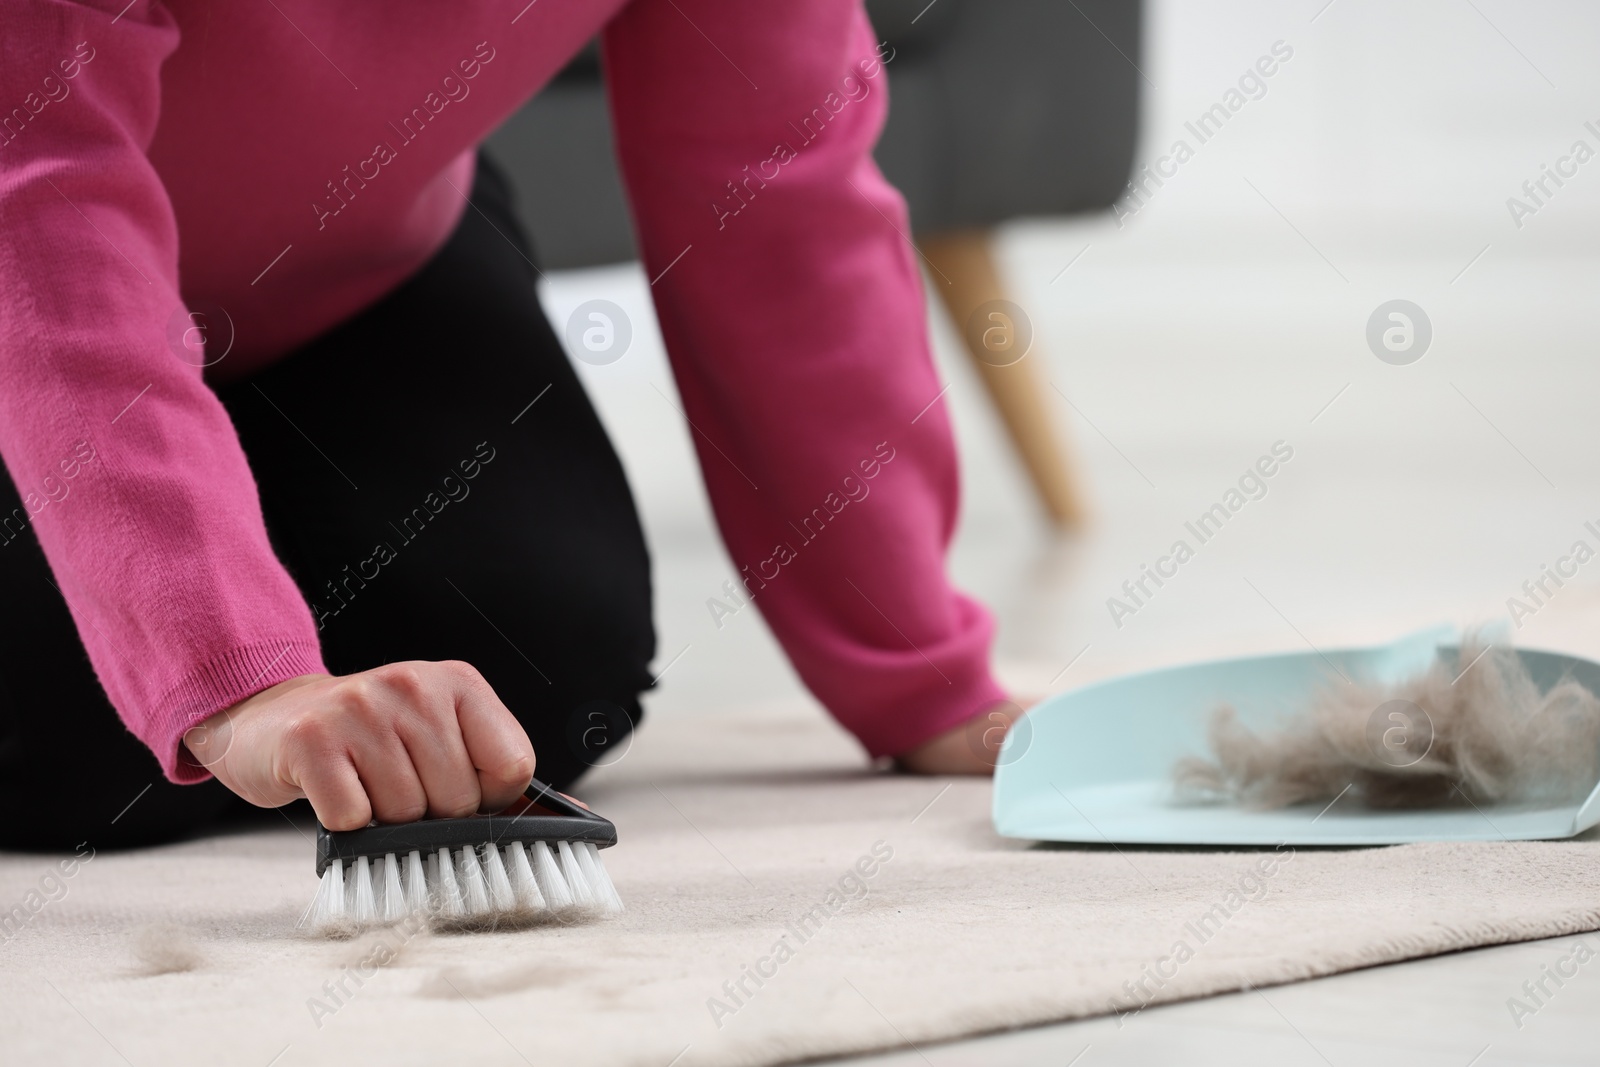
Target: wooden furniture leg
(966, 279)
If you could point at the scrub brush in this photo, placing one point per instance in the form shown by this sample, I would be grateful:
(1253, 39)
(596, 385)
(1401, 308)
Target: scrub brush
(537, 859)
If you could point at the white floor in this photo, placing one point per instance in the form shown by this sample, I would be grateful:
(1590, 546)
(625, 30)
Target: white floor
(1227, 314)
(1449, 1011)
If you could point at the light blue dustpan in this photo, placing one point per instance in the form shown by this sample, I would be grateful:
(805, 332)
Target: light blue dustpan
(1095, 764)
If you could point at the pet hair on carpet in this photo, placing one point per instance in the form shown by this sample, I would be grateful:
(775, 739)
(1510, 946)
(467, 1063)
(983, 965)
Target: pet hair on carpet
(464, 982)
(164, 948)
(1485, 735)
(384, 947)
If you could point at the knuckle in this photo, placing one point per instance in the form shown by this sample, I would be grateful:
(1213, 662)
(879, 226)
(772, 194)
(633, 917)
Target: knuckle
(307, 734)
(465, 672)
(405, 679)
(357, 696)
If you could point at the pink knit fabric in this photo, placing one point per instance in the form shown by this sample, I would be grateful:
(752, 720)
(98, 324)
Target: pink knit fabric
(291, 161)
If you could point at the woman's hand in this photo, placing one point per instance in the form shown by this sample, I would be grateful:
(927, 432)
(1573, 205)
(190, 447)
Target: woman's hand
(393, 744)
(973, 747)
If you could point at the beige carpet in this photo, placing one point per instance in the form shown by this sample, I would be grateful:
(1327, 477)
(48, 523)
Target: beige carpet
(734, 830)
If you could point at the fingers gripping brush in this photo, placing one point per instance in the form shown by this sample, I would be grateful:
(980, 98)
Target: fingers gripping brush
(540, 858)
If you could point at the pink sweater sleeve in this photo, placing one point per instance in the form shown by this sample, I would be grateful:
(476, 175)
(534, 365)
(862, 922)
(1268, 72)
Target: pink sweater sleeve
(790, 300)
(129, 469)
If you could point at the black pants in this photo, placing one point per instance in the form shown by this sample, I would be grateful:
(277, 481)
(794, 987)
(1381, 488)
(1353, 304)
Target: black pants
(533, 570)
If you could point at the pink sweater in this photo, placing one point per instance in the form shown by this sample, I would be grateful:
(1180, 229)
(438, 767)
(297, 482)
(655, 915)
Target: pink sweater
(291, 161)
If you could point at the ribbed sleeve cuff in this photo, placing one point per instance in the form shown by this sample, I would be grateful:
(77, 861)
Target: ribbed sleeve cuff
(239, 673)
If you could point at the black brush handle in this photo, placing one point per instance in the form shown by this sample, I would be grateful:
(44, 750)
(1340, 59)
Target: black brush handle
(546, 797)
(430, 835)
(570, 823)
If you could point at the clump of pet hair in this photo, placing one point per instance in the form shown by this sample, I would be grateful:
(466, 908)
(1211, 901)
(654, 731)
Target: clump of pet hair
(164, 948)
(457, 982)
(1494, 739)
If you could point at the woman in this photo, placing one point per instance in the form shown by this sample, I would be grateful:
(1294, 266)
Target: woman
(315, 486)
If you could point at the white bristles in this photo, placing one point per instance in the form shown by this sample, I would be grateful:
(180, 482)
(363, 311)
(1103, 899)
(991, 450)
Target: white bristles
(523, 885)
(605, 894)
(574, 875)
(365, 909)
(548, 875)
(474, 884)
(377, 888)
(473, 888)
(469, 886)
(494, 873)
(349, 888)
(394, 898)
(449, 903)
(416, 885)
(327, 909)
